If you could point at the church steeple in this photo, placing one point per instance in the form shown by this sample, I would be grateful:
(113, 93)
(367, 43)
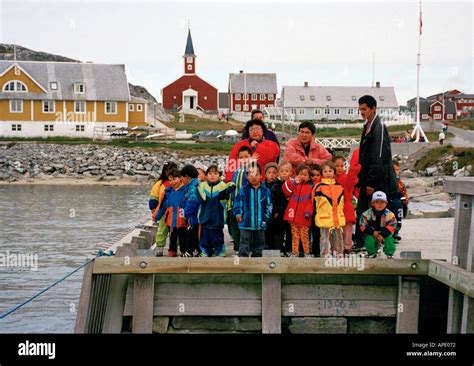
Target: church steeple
(189, 56)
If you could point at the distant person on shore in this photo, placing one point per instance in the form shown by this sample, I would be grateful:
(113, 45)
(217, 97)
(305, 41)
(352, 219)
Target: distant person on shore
(304, 149)
(441, 137)
(263, 150)
(156, 196)
(375, 158)
(269, 134)
(378, 225)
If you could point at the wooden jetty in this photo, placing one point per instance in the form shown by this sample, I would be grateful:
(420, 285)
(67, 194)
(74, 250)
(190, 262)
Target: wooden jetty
(137, 292)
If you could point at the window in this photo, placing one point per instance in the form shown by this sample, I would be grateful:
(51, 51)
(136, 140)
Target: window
(424, 116)
(312, 97)
(293, 110)
(139, 107)
(53, 85)
(238, 107)
(246, 107)
(302, 110)
(270, 97)
(246, 97)
(80, 107)
(317, 111)
(262, 97)
(437, 108)
(189, 60)
(79, 128)
(354, 98)
(79, 88)
(437, 116)
(254, 96)
(205, 98)
(326, 111)
(48, 106)
(301, 97)
(262, 107)
(16, 127)
(238, 96)
(190, 67)
(49, 128)
(110, 107)
(15, 86)
(16, 106)
(350, 111)
(328, 97)
(131, 107)
(382, 98)
(336, 111)
(449, 116)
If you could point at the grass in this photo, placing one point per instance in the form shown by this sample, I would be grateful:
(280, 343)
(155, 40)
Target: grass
(463, 156)
(195, 124)
(465, 124)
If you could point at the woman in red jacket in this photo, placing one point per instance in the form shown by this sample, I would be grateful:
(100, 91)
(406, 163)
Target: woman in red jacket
(264, 151)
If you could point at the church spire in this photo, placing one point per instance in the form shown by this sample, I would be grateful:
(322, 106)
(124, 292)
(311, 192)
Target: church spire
(189, 45)
(189, 56)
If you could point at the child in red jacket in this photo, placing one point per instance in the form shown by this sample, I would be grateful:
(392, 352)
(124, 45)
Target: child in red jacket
(300, 208)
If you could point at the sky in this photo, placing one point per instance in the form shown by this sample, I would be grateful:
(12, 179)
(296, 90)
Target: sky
(327, 43)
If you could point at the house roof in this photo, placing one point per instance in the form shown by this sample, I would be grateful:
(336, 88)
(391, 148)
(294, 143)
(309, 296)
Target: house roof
(102, 82)
(223, 100)
(253, 83)
(189, 51)
(340, 96)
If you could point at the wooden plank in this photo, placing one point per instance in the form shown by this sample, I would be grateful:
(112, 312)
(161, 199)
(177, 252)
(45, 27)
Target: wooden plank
(115, 304)
(340, 307)
(455, 304)
(467, 321)
(322, 279)
(202, 307)
(208, 278)
(271, 303)
(408, 307)
(339, 292)
(209, 291)
(84, 299)
(143, 304)
(459, 185)
(453, 276)
(462, 231)
(255, 265)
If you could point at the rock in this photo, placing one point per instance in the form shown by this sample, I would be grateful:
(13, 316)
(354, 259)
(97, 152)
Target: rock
(318, 325)
(117, 173)
(431, 170)
(417, 183)
(371, 325)
(160, 324)
(148, 167)
(48, 169)
(407, 174)
(459, 172)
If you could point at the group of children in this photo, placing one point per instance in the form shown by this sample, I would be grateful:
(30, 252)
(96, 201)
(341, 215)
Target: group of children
(310, 214)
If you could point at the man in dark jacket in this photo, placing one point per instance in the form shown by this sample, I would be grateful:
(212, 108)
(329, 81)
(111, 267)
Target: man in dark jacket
(375, 158)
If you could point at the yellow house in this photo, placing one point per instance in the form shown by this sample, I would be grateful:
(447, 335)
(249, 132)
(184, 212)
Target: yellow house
(66, 99)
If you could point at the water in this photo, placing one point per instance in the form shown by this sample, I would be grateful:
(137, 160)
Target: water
(64, 225)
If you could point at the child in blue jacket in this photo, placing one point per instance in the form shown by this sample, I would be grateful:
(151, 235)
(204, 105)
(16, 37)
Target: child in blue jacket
(189, 177)
(253, 209)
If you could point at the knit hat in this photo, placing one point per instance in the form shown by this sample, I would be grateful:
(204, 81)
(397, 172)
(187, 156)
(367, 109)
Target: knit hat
(271, 165)
(199, 165)
(379, 196)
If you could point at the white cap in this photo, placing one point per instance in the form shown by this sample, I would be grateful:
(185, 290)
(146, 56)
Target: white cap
(379, 196)
(199, 165)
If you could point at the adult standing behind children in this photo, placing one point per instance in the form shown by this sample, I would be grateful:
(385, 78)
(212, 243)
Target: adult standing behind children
(304, 149)
(264, 151)
(375, 158)
(269, 135)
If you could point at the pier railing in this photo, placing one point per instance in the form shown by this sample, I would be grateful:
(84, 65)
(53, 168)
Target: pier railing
(410, 292)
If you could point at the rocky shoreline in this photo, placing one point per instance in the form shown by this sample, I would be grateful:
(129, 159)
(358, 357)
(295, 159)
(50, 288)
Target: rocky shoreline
(25, 163)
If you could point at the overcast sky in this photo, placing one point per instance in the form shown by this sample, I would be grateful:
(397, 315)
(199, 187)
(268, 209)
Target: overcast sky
(324, 43)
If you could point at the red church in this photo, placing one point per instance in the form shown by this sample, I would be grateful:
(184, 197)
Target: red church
(190, 93)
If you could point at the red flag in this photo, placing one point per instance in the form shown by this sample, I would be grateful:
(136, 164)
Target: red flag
(421, 21)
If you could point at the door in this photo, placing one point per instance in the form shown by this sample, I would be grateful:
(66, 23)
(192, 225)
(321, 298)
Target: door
(191, 103)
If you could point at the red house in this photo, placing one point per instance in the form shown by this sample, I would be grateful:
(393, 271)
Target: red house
(189, 93)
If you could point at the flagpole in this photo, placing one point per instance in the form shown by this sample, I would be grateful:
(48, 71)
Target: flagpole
(418, 130)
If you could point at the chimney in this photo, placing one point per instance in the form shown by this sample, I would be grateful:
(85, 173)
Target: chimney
(377, 84)
(241, 71)
(305, 84)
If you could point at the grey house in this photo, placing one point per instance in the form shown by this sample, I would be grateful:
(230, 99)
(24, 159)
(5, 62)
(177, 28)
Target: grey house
(335, 102)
